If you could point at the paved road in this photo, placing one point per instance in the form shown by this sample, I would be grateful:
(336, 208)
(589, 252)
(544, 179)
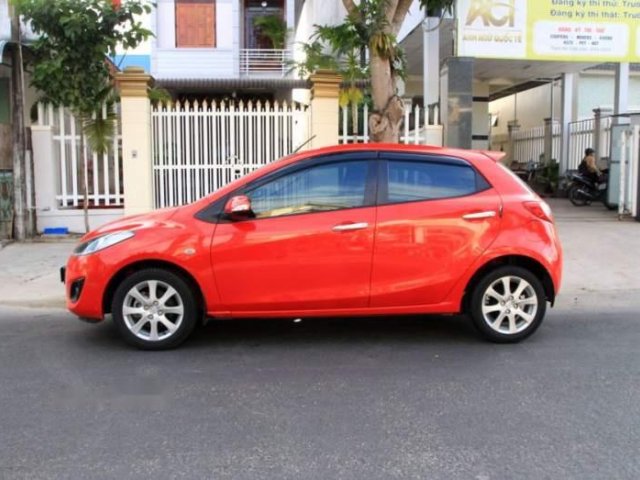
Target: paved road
(338, 399)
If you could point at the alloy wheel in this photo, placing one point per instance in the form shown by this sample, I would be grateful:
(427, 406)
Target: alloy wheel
(509, 305)
(153, 310)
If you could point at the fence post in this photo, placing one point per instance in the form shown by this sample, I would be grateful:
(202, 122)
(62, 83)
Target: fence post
(548, 140)
(513, 126)
(325, 89)
(136, 140)
(46, 175)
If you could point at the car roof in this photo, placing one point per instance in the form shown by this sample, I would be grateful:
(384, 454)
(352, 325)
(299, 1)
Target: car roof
(468, 154)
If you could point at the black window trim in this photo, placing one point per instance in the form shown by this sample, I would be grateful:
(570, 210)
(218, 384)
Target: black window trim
(213, 213)
(382, 199)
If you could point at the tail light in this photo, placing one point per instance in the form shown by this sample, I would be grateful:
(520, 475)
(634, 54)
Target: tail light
(539, 209)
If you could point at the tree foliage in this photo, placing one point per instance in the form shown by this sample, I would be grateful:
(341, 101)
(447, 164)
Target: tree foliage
(68, 61)
(365, 47)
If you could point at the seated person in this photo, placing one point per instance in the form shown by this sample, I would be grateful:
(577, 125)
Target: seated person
(588, 167)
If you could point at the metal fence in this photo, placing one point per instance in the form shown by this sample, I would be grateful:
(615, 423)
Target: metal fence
(104, 172)
(418, 127)
(528, 145)
(265, 62)
(199, 147)
(582, 136)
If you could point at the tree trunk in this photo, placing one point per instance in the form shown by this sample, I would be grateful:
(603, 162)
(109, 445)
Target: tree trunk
(22, 225)
(84, 177)
(388, 109)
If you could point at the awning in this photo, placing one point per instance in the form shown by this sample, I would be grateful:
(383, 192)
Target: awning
(244, 83)
(202, 84)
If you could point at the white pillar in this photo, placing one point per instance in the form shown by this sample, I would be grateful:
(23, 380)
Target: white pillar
(566, 117)
(430, 63)
(46, 175)
(136, 140)
(621, 95)
(324, 108)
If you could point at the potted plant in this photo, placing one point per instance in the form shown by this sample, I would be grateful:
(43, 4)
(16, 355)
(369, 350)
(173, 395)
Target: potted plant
(274, 28)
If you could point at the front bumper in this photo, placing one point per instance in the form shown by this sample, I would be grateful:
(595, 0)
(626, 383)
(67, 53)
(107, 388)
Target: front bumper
(85, 282)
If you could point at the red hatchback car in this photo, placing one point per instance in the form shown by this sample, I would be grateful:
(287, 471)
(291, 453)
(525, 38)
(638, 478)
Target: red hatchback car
(371, 229)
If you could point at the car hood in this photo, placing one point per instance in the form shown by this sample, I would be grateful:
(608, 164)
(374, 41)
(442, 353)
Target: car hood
(133, 222)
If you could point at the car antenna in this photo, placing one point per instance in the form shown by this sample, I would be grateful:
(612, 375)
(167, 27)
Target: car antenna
(303, 144)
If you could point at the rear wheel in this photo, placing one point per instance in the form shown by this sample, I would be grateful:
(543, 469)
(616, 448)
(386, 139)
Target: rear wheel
(577, 197)
(154, 309)
(508, 304)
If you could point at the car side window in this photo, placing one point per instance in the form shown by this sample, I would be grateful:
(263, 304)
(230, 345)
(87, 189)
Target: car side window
(410, 181)
(320, 188)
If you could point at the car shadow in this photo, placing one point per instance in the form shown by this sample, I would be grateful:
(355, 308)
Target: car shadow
(315, 331)
(391, 330)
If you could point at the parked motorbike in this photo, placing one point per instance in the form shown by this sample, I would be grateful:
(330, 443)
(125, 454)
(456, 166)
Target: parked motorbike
(583, 191)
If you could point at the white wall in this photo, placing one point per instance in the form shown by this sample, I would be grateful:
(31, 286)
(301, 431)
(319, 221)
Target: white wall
(414, 17)
(165, 28)
(194, 63)
(219, 62)
(596, 90)
(5, 21)
(316, 12)
(530, 108)
(226, 27)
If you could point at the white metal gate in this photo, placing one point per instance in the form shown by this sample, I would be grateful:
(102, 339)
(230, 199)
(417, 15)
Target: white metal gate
(418, 127)
(104, 172)
(199, 147)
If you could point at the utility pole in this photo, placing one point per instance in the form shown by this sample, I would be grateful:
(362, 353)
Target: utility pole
(22, 226)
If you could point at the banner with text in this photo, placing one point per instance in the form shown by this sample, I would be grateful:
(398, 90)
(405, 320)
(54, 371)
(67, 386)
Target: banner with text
(566, 30)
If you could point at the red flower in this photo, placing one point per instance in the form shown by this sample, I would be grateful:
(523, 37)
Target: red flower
(116, 4)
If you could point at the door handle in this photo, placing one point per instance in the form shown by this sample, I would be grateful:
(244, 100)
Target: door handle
(350, 226)
(479, 215)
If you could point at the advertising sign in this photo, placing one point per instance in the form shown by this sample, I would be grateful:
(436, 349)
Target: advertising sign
(565, 30)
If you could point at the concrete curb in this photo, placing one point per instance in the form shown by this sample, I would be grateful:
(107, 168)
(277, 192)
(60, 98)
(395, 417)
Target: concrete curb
(57, 302)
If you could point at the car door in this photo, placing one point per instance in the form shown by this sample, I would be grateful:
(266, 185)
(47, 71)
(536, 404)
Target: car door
(309, 247)
(436, 215)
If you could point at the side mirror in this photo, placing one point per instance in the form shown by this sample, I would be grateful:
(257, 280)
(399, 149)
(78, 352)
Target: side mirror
(238, 207)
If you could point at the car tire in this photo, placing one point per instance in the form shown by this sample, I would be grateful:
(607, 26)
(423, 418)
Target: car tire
(154, 309)
(508, 304)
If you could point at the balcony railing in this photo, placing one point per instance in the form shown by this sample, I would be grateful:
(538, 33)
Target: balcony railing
(264, 62)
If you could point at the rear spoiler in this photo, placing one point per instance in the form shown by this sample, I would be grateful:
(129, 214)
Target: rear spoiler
(493, 155)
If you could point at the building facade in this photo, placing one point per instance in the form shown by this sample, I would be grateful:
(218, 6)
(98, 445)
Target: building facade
(219, 48)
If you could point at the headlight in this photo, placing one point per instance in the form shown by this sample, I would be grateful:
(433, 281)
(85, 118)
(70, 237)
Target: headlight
(100, 243)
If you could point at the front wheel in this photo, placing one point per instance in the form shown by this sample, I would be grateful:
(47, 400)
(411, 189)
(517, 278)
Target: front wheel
(508, 304)
(154, 309)
(577, 197)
